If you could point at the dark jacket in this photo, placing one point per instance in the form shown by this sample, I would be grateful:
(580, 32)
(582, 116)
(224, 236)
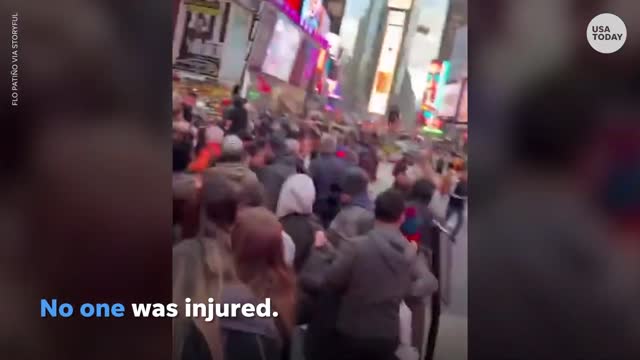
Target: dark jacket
(374, 274)
(318, 306)
(274, 175)
(302, 229)
(326, 171)
(247, 338)
(243, 338)
(368, 159)
(458, 197)
(195, 345)
(242, 179)
(238, 116)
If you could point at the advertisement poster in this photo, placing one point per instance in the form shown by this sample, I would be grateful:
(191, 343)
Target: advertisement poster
(314, 16)
(282, 50)
(387, 63)
(200, 50)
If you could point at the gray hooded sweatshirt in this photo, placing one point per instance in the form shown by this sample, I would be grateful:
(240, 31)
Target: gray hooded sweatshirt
(374, 274)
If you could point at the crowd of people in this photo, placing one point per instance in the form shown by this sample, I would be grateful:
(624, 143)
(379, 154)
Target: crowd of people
(267, 210)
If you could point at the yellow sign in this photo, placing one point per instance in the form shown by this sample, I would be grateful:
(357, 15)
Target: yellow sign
(204, 10)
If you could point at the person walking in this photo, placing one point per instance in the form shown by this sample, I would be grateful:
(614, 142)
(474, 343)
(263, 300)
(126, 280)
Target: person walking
(457, 200)
(263, 276)
(273, 176)
(200, 268)
(374, 275)
(233, 166)
(356, 217)
(327, 171)
(236, 117)
(295, 211)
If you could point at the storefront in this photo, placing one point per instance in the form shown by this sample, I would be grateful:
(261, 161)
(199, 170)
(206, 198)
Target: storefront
(283, 60)
(210, 44)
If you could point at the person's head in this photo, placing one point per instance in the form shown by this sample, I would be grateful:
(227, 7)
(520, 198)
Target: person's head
(219, 201)
(355, 182)
(297, 196)
(181, 156)
(460, 168)
(305, 139)
(232, 149)
(389, 208)
(402, 179)
(294, 146)
(278, 145)
(422, 191)
(257, 151)
(328, 144)
(236, 90)
(257, 246)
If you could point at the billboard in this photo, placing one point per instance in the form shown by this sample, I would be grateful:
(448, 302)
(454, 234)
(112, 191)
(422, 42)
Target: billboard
(282, 49)
(313, 16)
(391, 44)
(436, 80)
(201, 37)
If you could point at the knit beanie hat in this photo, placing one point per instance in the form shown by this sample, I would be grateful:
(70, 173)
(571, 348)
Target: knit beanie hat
(355, 181)
(232, 145)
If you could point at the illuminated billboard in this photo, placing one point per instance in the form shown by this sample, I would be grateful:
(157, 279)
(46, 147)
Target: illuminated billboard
(314, 17)
(436, 81)
(387, 62)
(282, 49)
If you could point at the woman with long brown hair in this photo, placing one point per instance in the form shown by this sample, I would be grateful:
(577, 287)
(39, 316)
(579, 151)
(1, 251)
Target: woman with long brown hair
(256, 242)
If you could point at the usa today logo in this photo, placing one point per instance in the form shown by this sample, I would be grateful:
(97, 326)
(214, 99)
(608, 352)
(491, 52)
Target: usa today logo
(606, 33)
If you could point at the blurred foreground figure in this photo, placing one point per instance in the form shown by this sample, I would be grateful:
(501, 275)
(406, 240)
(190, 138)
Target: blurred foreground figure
(201, 266)
(555, 288)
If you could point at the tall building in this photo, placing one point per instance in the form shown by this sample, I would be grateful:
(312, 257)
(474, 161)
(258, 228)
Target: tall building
(360, 71)
(459, 55)
(456, 18)
(392, 83)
